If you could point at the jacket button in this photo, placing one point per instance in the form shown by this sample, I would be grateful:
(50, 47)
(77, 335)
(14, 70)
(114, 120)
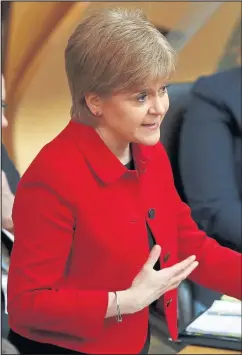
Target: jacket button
(168, 302)
(151, 213)
(167, 257)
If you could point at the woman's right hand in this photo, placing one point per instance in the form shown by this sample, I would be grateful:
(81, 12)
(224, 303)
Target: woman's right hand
(149, 284)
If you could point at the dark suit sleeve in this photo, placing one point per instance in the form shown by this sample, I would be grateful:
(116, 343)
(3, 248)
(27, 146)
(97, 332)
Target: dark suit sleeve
(10, 170)
(208, 171)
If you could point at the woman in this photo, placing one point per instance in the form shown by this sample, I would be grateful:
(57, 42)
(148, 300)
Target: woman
(98, 197)
(10, 176)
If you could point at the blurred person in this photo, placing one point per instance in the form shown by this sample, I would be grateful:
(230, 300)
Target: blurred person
(4, 119)
(96, 205)
(8, 167)
(9, 176)
(9, 181)
(211, 161)
(211, 158)
(7, 194)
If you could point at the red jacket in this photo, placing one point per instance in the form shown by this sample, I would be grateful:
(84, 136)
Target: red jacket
(80, 232)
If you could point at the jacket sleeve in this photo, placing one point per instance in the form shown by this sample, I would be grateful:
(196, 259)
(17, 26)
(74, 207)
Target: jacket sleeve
(219, 267)
(207, 168)
(43, 224)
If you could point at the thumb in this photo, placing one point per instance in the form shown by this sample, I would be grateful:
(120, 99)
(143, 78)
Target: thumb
(153, 256)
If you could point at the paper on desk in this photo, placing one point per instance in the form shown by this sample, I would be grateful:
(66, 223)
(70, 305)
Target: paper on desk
(226, 307)
(228, 298)
(223, 318)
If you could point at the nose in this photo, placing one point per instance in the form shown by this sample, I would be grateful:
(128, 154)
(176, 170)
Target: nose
(159, 107)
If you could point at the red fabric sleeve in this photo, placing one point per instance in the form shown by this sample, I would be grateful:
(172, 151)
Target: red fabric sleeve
(219, 267)
(43, 225)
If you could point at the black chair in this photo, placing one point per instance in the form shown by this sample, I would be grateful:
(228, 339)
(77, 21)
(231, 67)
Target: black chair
(170, 134)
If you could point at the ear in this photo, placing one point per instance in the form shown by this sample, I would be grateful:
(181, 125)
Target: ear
(94, 103)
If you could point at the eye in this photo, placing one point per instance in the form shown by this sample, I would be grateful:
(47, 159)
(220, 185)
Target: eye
(142, 97)
(163, 90)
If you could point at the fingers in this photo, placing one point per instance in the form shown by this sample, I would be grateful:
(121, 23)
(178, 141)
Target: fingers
(185, 273)
(153, 256)
(176, 281)
(180, 267)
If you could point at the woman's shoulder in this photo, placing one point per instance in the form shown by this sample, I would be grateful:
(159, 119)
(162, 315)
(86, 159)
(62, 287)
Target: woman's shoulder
(161, 154)
(56, 164)
(159, 158)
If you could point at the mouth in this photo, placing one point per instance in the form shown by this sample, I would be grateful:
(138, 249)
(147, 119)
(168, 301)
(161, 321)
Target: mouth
(151, 126)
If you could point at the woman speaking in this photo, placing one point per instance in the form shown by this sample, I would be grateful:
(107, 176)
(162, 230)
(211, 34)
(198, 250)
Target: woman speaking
(100, 231)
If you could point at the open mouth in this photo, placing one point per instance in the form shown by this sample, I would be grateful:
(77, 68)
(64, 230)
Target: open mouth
(151, 125)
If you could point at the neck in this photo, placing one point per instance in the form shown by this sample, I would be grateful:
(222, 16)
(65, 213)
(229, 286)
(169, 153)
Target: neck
(118, 147)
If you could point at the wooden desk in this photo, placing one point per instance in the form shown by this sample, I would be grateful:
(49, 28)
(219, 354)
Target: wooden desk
(201, 350)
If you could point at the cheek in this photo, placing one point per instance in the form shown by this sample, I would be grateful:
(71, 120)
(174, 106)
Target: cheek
(138, 116)
(134, 116)
(167, 103)
(124, 116)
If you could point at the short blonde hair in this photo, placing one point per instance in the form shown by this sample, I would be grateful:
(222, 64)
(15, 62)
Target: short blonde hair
(114, 50)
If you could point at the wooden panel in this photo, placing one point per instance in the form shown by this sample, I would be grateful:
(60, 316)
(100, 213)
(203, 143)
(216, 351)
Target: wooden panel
(202, 54)
(45, 104)
(29, 29)
(30, 26)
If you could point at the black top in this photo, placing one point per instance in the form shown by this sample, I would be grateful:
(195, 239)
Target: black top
(27, 346)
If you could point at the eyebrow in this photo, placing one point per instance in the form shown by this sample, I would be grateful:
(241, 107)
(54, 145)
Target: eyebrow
(146, 89)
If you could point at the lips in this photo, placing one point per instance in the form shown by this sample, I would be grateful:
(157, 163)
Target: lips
(153, 127)
(150, 124)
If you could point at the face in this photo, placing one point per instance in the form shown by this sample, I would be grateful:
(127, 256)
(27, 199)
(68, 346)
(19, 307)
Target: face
(4, 120)
(135, 116)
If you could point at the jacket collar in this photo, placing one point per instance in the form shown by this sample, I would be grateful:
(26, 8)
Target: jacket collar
(100, 158)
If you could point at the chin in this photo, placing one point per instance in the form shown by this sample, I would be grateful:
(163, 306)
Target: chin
(152, 140)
